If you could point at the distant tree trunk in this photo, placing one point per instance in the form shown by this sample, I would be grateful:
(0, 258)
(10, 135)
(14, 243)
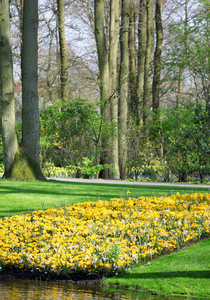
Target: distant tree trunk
(185, 58)
(180, 83)
(146, 93)
(141, 54)
(49, 75)
(30, 109)
(63, 50)
(113, 47)
(123, 105)
(7, 103)
(156, 75)
(103, 60)
(132, 63)
(58, 60)
(157, 56)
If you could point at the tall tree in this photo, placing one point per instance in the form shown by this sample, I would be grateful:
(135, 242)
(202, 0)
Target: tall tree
(113, 48)
(157, 56)
(7, 103)
(103, 63)
(30, 101)
(146, 92)
(123, 105)
(63, 49)
(141, 55)
(157, 69)
(132, 62)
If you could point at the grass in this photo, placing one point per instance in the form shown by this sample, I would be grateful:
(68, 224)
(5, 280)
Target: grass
(186, 272)
(18, 197)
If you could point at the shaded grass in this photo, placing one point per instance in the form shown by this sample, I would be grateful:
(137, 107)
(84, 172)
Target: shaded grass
(25, 196)
(186, 272)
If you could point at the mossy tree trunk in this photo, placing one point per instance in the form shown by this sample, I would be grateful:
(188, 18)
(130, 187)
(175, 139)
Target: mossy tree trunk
(7, 103)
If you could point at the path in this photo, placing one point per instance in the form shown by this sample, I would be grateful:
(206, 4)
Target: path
(130, 182)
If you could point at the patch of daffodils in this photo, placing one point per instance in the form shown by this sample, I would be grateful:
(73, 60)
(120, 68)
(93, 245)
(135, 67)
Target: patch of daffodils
(102, 237)
(50, 170)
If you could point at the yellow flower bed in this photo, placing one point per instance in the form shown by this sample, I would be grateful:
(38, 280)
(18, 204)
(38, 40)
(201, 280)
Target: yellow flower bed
(104, 236)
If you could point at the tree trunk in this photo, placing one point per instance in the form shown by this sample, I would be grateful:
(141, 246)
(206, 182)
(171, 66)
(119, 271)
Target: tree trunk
(141, 55)
(123, 105)
(30, 109)
(49, 75)
(132, 63)
(103, 78)
(185, 58)
(63, 50)
(180, 84)
(157, 56)
(146, 67)
(113, 47)
(156, 75)
(7, 103)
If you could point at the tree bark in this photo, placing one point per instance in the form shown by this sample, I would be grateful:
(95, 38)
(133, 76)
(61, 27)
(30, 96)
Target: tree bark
(185, 58)
(141, 55)
(157, 56)
(156, 75)
(132, 63)
(146, 93)
(113, 47)
(103, 60)
(30, 109)
(179, 88)
(63, 50)
(49, 75)
(123, 105)
(7, 103)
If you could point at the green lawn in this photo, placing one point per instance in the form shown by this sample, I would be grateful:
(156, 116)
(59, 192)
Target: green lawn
(23, 196)
(184, 272)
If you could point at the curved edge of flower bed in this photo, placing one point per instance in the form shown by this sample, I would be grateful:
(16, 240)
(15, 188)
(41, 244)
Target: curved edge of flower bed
(79, 278)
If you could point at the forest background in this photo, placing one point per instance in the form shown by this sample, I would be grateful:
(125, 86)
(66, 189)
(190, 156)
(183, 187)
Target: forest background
(123, 88)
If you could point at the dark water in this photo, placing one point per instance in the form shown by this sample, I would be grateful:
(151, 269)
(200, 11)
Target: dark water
(32, 290)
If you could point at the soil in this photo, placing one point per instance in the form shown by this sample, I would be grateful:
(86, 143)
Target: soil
(79, 278)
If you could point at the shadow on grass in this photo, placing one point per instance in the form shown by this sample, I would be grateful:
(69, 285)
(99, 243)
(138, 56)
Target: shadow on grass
(150, 275)
(77, 192)
(154, 188)
(64, 188)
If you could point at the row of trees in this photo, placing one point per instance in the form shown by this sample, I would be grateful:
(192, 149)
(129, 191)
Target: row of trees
(137, 57)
